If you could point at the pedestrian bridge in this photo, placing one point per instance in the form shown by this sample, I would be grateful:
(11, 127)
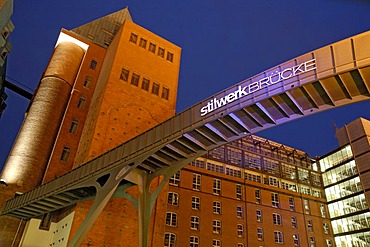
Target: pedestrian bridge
(332, 76)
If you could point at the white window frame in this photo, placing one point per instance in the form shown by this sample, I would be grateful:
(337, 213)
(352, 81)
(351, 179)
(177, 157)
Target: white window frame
(196, 181)
(216, 186)
(216, 207)
(171, 219)
(195, 203)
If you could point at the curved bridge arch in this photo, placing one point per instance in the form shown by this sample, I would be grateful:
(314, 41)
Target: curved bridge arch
(332, 76)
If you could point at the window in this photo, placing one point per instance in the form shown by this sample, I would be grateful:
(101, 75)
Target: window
(93, 64)
(216, 226)
(291, 204)
(240, 230)
(328, 243)
(326, 228)
(195, 203)
(239, 192)
(169, 239)
(239, 212)
(216, 207)
(171, 219)
(175, 179)
(240, 245)
(194, 223)
(165, 93)
(322, 210)
(296, 239)
(124, 75)
(306, 206)
(81, 102)
(5, 32)
(196, 181)
(65, 154)
(133, 38)
(312, 242)
(257, 194)
(135, 79)
(278, 236)
(173, 198)
(152, 47)
(170, 56)
(155, 88)
(216, 243)
(74, 126)
(294, 222)
(276, 219)
(145, 84)
(142, 43)
(216, 186)
(259, 215)
(88, 81)
(275, 199)
(160, 52)
(309, 226)
(259, 233)
(194, 241)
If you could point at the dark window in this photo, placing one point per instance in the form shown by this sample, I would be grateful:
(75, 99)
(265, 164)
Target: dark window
(155, 88)
(142, 43)
(133, 38)
(160, 52)
(165, 93)
(65, 154)
(74, 126)
(135, 79)
(170, 56)
(81, 102)
(87, 82)
(152, 47)
(145, 84)
(93, 64)
(124, 74)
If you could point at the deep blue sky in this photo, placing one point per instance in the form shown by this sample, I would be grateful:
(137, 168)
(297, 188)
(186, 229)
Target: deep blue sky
(223, 43)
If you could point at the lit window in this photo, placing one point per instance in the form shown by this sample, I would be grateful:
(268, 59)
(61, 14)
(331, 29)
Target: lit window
(291, 204)
(216, 207)
(74, 126)
(170, 56)
(142, 43)
(239, 192)
(155, 88)
(194, 223)
(326, 228)
(133, 38)
(93, 64)
(65, 154)
(87, 81)
(195, 203)
(152, 47)
(169, 239)
(275, 200)
(216, 243)
(216, 226)
(175, 179)
(171, 219)
(196, 181)
(194, 241)
(257, 194)
(312, 242)
(124, 74)
(294, 222)
(296, 239)
(259, 233)
(173, 198)
(145, 84)
(259, 215)
(216, 186)
(165, 93)
(135, 79)
(306, 206)
(160, 52)
(309, 226)
(278, 236)
(81, 102)
(239, 212)
(276, 219)
(240, 230)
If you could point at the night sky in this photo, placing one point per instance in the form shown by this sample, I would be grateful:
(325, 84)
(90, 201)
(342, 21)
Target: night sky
(223, 42)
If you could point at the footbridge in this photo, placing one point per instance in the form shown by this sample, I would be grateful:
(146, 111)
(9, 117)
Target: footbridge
(332, 76)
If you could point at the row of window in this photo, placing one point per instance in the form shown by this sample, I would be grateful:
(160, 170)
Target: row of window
(145, 83)
(143, 43)
(170, 241)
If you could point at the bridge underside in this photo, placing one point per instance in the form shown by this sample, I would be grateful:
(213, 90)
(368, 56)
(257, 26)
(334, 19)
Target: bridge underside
(335, 75)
